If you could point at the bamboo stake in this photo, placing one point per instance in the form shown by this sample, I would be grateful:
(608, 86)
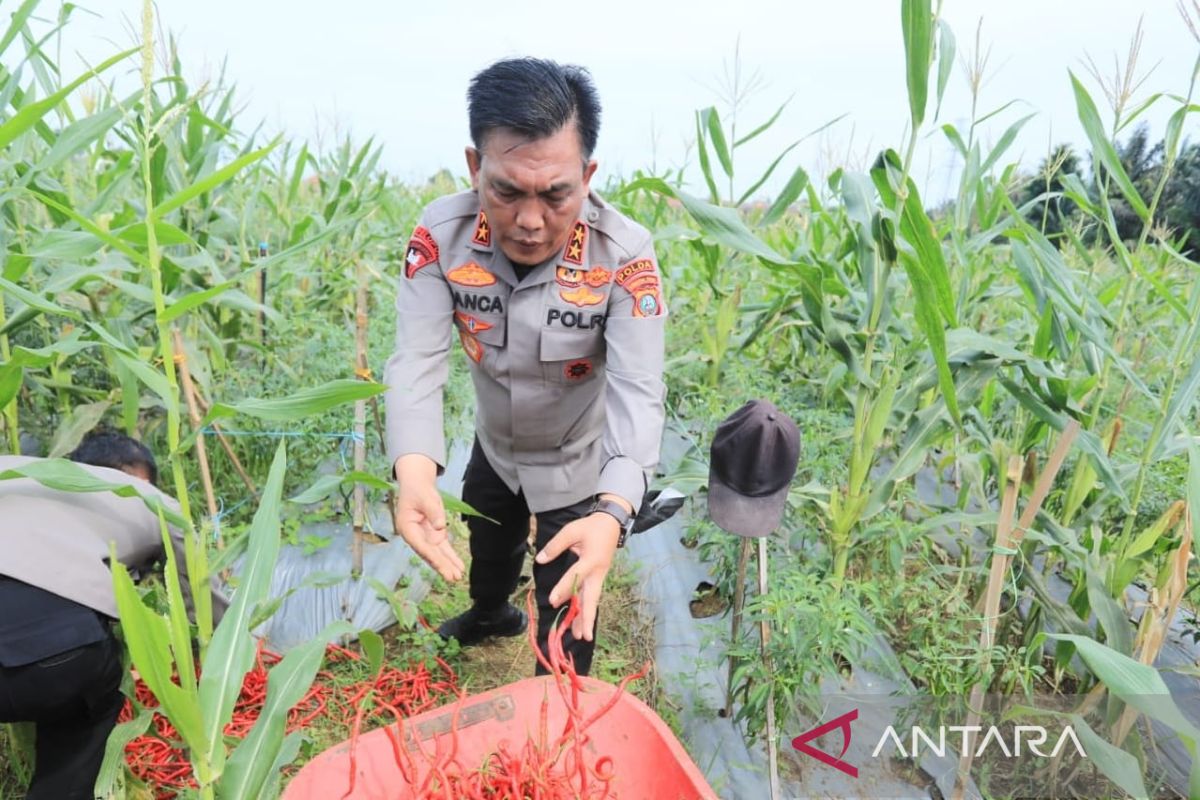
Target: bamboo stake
(228, 448)
(739, 599)
(764, 634)
(189, 392)
(991, 610)
(1046, 480)
(1008, 537)
(363, 372)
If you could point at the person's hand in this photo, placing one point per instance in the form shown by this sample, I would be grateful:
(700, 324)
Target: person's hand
(594, 540)
(421, 516)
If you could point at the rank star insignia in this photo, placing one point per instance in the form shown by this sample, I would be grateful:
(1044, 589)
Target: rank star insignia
(574, 252)
(422, 251)
(483, 231)
(470, 324)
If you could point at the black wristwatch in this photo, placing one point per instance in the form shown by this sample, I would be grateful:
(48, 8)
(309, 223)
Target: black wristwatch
(617, 512)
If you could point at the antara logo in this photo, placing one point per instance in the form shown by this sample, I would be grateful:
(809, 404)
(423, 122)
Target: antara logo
(1024, 738)
(842, 722)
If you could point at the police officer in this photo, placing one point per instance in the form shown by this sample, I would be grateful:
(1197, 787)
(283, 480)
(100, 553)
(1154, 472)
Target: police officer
(557, 302)
(60, 666)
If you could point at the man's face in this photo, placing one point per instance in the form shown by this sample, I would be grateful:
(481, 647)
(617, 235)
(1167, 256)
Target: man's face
(531, 190)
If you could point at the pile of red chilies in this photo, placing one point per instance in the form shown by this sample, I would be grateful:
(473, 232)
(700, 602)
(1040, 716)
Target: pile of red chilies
(159, 760)
(544, 768)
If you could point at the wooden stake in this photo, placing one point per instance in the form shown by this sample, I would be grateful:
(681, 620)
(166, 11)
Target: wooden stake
(764, 635)
(1007, 538)
(363, 372)
(739, 599)
(991, 609)
(189, 392)
(228, 448)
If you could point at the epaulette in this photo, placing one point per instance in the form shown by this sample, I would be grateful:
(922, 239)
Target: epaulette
(628, 236)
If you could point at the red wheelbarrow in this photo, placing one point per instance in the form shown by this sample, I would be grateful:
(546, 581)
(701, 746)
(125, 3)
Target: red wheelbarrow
(648, 761)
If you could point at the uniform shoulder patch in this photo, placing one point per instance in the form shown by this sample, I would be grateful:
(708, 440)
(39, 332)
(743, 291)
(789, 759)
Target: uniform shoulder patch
(483, 231)
(573, 254)
(422, 251)
(640, 279)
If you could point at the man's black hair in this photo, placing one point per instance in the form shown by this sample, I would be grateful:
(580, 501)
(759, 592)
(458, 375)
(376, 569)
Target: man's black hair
(105, 448)
(535, 97)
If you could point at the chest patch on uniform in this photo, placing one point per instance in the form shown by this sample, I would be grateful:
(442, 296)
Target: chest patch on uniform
(471, 324)
(575, 319)
(471, 346)
(422, 251)
(483, 231)
(471, 274)
(574, 252)
(568, 276)
(581, 296)
(478, 302)
(597, 277)
(578, 370)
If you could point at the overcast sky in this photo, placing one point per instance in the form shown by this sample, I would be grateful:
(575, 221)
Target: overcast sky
(398, 71)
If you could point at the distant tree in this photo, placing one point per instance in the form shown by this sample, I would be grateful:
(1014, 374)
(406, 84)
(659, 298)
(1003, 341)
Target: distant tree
(1181, 199)
(1051, 214)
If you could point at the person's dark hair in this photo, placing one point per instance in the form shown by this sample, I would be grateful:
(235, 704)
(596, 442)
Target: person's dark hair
(535, 97)
(105, 448)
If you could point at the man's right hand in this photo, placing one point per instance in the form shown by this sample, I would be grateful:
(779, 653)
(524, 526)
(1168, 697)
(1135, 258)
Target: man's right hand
(421, 516)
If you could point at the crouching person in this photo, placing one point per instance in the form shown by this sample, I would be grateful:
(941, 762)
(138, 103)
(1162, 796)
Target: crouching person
(60, 665)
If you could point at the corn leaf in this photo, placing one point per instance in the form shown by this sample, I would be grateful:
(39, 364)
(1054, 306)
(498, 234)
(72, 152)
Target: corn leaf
(231, 652)
(83, 418)
(1137, 684)
(210, 182)
(1118, 766)
(723, 225)
(1105, 153)
(945, 57)
(313, 400)
(31, 114)
(255, 759)
(916, 18)
(712, 122)
(148, 639)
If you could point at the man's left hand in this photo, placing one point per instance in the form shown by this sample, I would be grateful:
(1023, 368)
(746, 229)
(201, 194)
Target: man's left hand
(594, 540)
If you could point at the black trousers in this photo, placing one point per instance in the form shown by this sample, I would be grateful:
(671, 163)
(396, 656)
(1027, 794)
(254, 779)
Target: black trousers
(498, 552)
(73, 698)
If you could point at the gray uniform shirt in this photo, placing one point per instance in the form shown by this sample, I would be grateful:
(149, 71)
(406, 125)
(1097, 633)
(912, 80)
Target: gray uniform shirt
(59, 541)
(567, 363)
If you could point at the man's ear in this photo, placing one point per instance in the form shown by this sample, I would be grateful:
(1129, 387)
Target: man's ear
(473, 161)
(589, 169)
